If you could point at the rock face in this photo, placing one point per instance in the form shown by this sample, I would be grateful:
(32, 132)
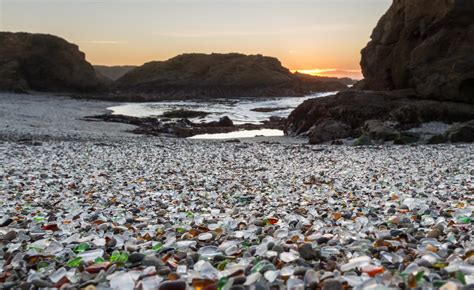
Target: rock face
(427, 45)
(354, 108)
(418, 67)
(219, 75)
(43, 62)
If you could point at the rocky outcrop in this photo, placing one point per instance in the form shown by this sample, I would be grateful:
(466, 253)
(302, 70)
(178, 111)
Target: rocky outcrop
(463, 132)
(426, 45)
(43, 62)
(418, 67)
(219, 76)
(354, 108)
(182, 127)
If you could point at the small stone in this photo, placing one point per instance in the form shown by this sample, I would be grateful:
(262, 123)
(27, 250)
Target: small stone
(41, 283)
(88, 284)
(277, 248)
(434, 234)
(307, 252)
(239, 280)
(449, 286)
(163, 271)
(152, 260)
(322, 240)
(259, 223)
(96, 268)
(11, 235)
(136, 257)
(172, 285)
(205, 236)
(332, 284)
(5, 221)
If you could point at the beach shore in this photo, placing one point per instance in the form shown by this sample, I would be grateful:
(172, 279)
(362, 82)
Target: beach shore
(91, 205)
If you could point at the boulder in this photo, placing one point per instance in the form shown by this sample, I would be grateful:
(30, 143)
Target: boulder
(378, 130)
(226, 122)
(405, 138)
(42, 62)
(327, 131)
(461, 133)
(363, 141)
(437, 139)
(426, 45)
(354, 108)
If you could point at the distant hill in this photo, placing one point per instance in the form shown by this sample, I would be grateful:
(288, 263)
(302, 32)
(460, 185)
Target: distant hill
(220, 76)
(113, 72)
(346, 81)
(43, 62)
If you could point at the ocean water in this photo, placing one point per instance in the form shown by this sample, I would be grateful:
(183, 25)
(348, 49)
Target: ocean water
(240, 111)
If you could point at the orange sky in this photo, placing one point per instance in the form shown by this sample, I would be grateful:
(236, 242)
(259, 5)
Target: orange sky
(303, 34)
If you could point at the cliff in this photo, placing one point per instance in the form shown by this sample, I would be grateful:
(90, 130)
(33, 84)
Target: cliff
(418, 67)
(42, 62)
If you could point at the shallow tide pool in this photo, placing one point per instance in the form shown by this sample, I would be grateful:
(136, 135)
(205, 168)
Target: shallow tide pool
(240, 111)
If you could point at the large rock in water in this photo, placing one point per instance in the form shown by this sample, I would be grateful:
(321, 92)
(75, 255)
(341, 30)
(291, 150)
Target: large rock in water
(219, 76)
(43, 62)
(418, 67)
(427, 45)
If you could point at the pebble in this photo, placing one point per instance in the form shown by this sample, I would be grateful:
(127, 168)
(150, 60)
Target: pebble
(332, 284)
(434, 234)
(5, 221)
(172, 285)
(307, 252)
(11, 235)
(225, 215)
(136, 257)
(152, 260)
(41, 283)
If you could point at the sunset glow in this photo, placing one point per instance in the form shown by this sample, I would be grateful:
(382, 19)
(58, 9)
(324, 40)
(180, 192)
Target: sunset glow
(351, 73)
(303, 34)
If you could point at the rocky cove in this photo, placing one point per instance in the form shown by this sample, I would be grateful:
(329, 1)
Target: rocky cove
(94, 197)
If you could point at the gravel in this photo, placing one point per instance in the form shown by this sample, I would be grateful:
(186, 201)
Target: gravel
(137, 213)
(88, 205)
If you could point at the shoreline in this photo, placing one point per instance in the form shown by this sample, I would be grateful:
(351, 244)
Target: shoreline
(43, 117)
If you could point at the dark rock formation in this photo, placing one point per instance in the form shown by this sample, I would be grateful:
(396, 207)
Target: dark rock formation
(427, 45)
(328, 130)
(463, 132)
(354, 108)
(378, 130)
(184, 128)
(419, 67)
(43, 62)
(113, 73)
(219, 76)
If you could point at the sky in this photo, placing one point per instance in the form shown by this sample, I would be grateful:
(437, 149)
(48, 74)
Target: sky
(317, 36)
